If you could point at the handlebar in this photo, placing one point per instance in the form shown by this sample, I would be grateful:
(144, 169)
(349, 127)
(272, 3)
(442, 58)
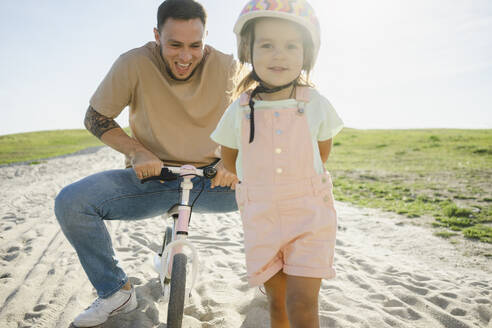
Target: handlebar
(170, 173)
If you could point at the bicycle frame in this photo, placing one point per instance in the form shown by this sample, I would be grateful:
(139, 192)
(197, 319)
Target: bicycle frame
(181, 218)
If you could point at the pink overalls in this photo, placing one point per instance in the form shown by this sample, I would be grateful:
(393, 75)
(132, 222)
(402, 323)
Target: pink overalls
(287, 209)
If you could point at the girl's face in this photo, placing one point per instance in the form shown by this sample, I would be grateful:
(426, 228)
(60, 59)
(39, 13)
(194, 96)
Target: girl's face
(278, 53)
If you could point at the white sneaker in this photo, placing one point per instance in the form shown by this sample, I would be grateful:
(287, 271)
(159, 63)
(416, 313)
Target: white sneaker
(123, 301)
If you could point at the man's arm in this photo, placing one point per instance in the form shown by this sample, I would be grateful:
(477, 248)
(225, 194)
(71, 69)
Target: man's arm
(98, 124)
(144, 162)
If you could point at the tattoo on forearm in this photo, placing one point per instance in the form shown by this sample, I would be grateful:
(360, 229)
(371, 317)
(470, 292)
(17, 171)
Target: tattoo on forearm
(98, 124)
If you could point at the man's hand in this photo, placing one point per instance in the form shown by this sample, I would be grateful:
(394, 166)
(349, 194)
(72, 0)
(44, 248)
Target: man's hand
(145, 164)
(224, 178)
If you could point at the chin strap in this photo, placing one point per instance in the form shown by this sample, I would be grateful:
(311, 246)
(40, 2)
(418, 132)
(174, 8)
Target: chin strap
(261, 88)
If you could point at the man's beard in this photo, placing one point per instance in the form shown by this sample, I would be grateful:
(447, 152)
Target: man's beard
(171, 74)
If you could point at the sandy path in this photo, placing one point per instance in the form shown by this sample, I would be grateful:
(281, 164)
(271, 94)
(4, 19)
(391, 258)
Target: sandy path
(391, 273)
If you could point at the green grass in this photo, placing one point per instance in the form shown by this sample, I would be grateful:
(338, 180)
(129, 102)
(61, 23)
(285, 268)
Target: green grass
(442, 173)
(35, 145)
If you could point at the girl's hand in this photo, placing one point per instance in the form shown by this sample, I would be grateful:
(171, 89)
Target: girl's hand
(224, 178)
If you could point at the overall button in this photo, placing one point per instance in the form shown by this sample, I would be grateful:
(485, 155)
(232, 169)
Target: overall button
(278, 150)
(279, 132)
(279, 170)
(277, 114)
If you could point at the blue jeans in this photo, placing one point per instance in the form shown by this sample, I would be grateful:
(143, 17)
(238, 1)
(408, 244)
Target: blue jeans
(81, 207)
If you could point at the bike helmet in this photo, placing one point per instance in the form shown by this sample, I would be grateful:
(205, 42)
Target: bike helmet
(298, 11)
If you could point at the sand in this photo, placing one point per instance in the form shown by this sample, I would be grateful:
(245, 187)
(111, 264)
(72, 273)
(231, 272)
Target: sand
(391, 272)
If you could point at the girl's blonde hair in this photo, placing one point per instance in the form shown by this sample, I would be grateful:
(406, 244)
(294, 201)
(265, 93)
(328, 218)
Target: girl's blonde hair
(244, 77)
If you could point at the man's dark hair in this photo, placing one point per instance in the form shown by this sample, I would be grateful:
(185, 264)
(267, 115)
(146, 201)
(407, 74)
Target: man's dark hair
(180, 9)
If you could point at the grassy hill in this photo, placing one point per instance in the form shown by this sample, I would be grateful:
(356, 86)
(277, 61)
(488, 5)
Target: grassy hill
(32, 146)
(443, 173)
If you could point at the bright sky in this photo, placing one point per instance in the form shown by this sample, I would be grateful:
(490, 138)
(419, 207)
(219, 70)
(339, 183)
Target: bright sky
(383, 63)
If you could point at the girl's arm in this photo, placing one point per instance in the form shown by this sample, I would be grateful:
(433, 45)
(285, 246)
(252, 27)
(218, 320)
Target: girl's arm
(226, 169)
(229, 156)
(324, 149)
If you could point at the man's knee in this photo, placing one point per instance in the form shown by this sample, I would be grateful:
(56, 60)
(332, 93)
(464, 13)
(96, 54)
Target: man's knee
(66, 202)
(61, 203)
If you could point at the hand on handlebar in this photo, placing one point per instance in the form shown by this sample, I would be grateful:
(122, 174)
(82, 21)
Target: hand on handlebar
(145, 164)
(169, 173)
(224, 178)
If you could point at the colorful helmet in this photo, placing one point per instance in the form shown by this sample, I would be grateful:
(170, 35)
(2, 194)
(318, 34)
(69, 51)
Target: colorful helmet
(298, 11)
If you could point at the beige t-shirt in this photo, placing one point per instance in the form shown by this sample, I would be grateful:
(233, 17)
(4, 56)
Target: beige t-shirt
(173, 119)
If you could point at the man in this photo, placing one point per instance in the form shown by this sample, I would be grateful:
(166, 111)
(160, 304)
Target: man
(177, 89)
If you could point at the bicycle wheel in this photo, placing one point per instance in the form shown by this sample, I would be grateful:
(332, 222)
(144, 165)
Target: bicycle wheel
(177, 294)
(168, 236)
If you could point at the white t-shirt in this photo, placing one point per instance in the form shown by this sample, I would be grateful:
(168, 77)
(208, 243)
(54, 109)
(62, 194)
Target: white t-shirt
(324, 123)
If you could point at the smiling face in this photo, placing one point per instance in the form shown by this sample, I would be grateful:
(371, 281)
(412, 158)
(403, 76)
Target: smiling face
(182, 46)
(277, 51)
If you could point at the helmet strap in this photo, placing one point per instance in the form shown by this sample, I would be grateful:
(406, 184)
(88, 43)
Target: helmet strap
(261, 88)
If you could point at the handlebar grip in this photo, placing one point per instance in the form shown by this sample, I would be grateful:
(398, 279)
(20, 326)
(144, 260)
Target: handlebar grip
(166, 175)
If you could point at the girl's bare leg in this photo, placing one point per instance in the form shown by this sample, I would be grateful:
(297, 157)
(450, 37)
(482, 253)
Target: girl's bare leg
(302, 301)
(275, 288)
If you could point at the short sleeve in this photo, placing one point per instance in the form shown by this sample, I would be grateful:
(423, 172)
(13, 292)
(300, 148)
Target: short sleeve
(332, 124)
(226, 131)
(116, 89)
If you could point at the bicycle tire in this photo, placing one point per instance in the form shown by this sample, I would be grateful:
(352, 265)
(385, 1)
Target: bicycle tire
(177, 293)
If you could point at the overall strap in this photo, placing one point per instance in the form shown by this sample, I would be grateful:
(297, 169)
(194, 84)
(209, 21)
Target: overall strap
(302, 94)
(244, 99)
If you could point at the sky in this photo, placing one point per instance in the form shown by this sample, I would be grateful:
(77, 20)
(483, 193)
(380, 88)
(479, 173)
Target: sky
(383, 64)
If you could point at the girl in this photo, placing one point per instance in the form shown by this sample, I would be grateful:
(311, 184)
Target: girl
(276, 137)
